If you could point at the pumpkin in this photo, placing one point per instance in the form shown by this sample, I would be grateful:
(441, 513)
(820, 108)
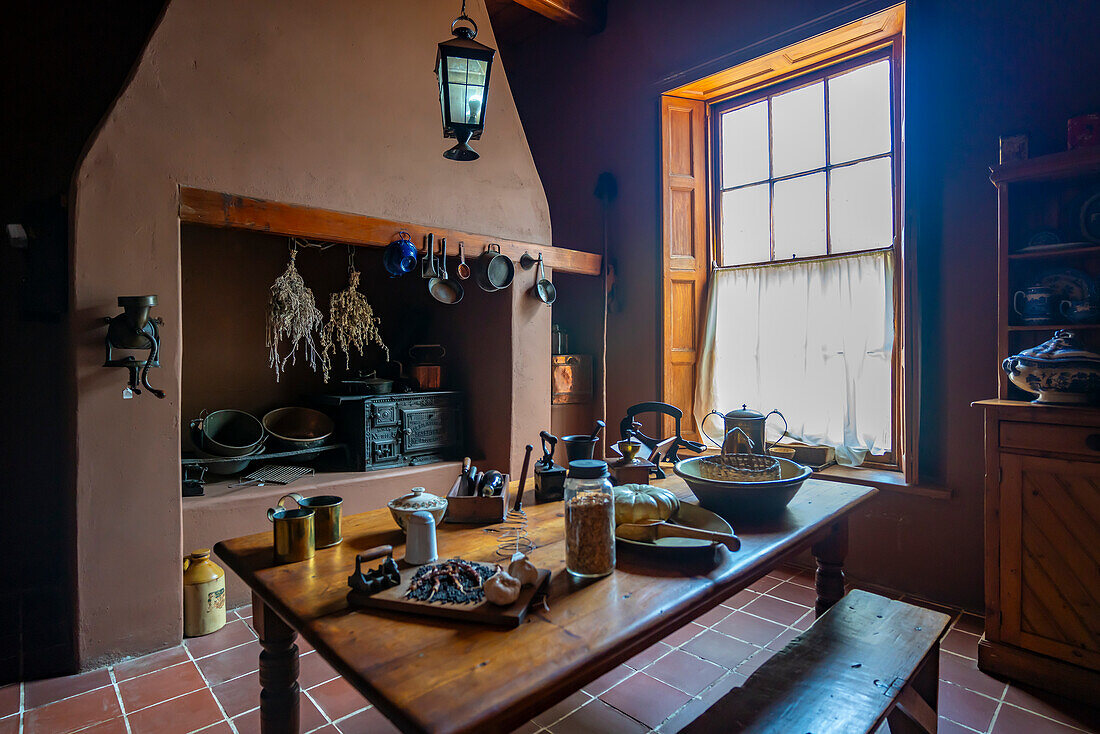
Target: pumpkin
(643, 503)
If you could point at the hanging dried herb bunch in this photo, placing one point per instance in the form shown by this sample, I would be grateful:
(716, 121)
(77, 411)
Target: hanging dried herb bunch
(351, 322)
(292, 317)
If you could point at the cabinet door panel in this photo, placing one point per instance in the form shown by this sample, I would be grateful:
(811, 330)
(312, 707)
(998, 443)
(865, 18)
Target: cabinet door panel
(1050, 557)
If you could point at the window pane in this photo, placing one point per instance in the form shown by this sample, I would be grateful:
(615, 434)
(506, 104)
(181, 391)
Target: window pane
(798, 130)
(861, 206)
(859, 113)
(745, 233)
(799, 216)
(745, 145)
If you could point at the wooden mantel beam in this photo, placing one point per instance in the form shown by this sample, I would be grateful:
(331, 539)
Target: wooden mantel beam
(588, 16)
(215, 209)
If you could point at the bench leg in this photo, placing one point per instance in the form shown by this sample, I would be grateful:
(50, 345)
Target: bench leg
(830, 553)
(917, 705)
(279, 712)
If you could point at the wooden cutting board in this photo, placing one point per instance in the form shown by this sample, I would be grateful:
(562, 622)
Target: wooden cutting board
(393, 599)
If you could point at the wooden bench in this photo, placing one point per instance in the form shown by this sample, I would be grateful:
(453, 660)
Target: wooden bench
(867, 660)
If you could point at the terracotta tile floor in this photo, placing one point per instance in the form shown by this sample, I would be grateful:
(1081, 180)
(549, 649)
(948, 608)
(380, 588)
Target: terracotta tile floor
(209, 684)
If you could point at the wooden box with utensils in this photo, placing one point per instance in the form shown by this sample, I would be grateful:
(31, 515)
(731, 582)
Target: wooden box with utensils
(477, 510)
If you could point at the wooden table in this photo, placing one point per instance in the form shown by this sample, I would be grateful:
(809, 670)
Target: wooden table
(434, 675)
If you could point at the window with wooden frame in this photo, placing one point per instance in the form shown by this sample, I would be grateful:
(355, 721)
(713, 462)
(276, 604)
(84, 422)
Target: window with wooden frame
(783, 197)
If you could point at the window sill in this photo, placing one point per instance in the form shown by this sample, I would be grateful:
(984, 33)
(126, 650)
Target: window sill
(892, 481)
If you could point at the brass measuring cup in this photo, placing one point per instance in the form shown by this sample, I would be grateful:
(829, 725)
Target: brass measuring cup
(293, 530)
(327, 509)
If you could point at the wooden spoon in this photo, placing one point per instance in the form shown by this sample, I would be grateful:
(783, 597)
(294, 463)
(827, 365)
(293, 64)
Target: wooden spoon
(651, 531)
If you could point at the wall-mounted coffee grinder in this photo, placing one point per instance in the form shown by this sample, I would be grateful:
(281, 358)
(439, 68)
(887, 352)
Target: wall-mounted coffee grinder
(549, 477)
(134, 330)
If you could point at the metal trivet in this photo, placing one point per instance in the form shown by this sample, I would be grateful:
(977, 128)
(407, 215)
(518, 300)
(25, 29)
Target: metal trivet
(274, 474)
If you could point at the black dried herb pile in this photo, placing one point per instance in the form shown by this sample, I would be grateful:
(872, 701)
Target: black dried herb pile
(450, 582)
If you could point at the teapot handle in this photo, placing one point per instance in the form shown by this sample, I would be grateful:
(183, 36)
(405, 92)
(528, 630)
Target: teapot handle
(703, 427)
(773, 443)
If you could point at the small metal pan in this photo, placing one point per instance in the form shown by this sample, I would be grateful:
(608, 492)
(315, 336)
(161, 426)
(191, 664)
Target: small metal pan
(543, 289)
(442, 288)
(463, 269)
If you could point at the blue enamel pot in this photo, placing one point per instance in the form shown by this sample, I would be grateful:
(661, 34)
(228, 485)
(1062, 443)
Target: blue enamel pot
(400, 256)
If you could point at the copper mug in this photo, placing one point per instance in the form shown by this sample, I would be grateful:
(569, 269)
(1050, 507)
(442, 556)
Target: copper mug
(326, 516)
(293, 531)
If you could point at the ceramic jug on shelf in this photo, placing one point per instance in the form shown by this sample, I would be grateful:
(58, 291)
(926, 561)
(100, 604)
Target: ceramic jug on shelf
(203, 594)
(751, 424)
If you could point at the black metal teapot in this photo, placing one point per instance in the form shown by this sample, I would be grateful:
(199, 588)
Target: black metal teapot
(750, 438)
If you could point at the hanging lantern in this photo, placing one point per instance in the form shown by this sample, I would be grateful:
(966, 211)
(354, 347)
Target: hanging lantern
(462, 68)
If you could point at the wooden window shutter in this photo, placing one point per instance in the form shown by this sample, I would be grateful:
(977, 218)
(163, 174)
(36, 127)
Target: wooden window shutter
(684, 252)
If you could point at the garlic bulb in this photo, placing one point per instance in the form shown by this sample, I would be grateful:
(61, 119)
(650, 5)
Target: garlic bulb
(501, 589)
(524, 571)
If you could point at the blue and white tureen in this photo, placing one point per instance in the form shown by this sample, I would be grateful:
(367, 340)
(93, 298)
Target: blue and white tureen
(1059, 370)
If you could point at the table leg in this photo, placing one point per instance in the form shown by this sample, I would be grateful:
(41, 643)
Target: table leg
(830, 552)
(278, 671)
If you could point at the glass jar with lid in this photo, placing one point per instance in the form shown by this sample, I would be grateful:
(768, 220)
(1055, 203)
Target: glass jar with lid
(589, 519)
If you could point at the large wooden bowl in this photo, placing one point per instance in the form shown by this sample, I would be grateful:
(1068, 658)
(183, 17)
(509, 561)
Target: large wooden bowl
(744, 499)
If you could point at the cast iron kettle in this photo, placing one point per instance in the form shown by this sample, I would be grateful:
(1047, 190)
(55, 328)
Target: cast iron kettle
(751, 422)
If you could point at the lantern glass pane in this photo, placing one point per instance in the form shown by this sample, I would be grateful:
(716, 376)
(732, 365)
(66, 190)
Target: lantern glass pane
(457, 112)
(476, 72)
(456, 69)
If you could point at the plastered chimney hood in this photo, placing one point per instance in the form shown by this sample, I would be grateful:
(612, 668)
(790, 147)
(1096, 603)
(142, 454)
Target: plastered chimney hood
(333, 105)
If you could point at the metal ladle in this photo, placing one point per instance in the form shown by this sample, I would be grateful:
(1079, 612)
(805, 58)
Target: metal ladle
(442, 288)
(543, 289)
(463, 269)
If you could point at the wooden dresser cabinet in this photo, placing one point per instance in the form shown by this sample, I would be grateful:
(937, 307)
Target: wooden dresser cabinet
(1042, 546)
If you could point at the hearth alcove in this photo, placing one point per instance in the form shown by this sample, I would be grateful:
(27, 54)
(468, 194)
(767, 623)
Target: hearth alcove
(232, 248)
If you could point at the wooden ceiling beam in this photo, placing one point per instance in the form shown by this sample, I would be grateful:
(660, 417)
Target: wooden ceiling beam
(216, 209)
(587, 16)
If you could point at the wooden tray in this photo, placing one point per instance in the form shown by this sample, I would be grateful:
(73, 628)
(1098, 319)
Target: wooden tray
(393, 599)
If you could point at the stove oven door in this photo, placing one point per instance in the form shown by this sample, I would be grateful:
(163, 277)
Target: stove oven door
(383, 433)
(429, 431)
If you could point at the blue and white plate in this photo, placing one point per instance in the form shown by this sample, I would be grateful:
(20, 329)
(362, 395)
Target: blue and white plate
(1071, 284)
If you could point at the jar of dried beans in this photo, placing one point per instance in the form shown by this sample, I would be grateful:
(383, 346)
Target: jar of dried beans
(589, 519)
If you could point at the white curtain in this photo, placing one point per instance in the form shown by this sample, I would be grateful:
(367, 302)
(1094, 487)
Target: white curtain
(811, 339)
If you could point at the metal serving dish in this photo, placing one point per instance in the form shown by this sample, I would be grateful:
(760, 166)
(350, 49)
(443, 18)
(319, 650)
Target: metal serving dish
(227, 433)
(293, 429)
(691, 516)
(744, 499)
